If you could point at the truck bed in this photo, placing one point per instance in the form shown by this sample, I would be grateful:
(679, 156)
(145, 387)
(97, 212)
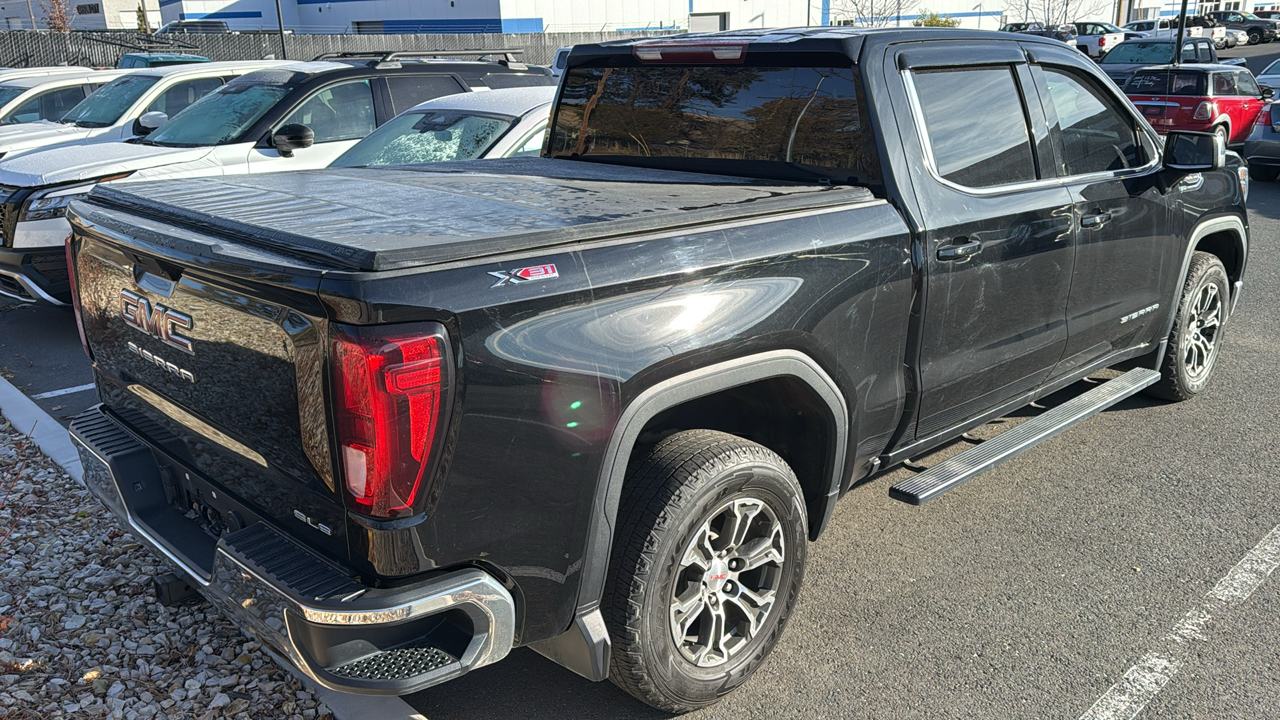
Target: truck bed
(413, 216)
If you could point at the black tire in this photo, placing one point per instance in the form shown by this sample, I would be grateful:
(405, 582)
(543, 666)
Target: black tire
(1178, 381)
(1220, 44)
(1264, 173)
(1255, 36)
(1223, 132)
(671, 496)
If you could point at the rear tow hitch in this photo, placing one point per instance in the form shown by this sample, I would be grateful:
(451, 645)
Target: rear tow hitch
(172, 590)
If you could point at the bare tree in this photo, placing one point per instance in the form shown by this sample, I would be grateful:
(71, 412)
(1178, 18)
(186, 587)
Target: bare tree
(866, 13)
(1056, 12)
(58, 14)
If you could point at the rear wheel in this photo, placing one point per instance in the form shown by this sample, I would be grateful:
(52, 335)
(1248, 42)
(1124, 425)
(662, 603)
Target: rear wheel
(1264, 173)
(707, 563)
(1196, 338)
(1222, 132)
(1220, 44)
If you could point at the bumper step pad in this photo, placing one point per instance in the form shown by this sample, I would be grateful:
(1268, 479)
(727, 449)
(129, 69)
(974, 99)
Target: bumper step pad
(398, 664)
(962, 468)
(286, 564)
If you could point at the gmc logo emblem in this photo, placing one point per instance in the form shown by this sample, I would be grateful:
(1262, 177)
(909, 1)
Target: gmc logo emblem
(159, 322)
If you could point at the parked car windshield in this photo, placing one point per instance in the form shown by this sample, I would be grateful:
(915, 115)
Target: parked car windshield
(1144, 53)
(1272, 69)
(104, 107)
(433, 136)
(1109, 27)
(221, 116)
(793, 123)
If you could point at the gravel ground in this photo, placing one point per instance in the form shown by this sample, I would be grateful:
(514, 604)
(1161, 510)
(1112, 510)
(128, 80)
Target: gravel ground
(81, 634)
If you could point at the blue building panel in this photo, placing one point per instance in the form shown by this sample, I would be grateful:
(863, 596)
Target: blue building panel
(220, 15)
(521, 25)
(440, 25)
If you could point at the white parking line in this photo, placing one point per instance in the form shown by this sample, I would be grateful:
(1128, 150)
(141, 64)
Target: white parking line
(63, 391)
(1143, 681)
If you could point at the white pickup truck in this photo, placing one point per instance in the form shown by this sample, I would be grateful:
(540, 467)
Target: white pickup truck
(1096, 38)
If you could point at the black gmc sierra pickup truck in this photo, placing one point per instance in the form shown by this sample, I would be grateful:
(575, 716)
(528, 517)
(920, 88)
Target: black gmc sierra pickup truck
(398, 421)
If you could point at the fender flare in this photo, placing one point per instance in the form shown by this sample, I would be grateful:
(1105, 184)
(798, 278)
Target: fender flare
(1205, 228)
(584, 648)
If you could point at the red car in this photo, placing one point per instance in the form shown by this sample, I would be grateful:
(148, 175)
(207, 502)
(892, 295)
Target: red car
(1224, 99)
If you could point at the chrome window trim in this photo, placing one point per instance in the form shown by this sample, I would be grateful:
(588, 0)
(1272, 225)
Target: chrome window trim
(926, 147)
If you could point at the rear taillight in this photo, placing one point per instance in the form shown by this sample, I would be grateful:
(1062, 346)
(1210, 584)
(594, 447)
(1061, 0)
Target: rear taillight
(1204, 111)
(389, 387)
(1102, 42)
(75, 297)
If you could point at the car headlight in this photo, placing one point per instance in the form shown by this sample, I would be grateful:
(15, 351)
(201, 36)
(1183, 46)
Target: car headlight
(53, 203)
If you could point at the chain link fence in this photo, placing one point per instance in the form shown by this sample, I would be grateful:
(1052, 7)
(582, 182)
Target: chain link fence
(24, 48)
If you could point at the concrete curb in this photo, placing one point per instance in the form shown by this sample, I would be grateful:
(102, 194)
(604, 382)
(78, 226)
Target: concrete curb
(28, 419)
(54, 440)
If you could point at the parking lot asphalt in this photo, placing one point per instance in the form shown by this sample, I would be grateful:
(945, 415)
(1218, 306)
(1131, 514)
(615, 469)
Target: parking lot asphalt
(1033, 591)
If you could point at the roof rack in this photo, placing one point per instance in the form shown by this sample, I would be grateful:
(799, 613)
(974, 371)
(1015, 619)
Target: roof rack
(146, 43)
(507, 55)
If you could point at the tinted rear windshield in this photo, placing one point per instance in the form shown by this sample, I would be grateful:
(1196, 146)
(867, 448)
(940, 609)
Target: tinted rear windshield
(1166, 82)
(808, 124)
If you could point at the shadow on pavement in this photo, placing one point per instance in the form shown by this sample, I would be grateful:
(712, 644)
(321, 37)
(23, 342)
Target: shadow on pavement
(527, 685)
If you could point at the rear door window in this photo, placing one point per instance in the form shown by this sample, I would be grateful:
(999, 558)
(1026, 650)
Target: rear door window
(410, 90)
(977, 145)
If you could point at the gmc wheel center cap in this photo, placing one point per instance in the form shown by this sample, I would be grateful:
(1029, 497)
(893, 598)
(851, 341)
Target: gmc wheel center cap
(717, 575)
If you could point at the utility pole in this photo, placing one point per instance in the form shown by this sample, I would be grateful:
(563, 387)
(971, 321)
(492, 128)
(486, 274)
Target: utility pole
(1182, 28)
(33, 15)
(284, 53)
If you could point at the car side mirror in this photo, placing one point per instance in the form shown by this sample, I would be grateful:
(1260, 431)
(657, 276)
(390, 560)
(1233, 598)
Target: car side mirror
(1188, 152)
(293, 137)
(1267, 94)
(149, 122)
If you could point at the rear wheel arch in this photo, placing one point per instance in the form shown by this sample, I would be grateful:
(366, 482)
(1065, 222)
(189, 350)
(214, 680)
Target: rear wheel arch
(768, 373)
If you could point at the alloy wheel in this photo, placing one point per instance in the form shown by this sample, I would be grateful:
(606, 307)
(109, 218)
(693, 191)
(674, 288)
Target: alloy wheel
(1201, 334)
(727, 582)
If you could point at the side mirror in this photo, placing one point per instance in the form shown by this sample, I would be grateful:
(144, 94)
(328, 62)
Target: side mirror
(1267, 93)
(293, 137)
(149, 122)
(1189, 152)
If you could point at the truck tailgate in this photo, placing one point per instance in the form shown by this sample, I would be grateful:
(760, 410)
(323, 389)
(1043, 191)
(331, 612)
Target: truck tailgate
(222, 368)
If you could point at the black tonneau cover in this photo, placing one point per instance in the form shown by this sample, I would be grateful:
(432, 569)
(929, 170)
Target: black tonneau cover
(387, 218)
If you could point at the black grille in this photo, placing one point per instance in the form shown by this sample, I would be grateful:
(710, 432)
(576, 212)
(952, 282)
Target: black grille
(398, 664)
(52, 267)
(11, 286)
(8, 215)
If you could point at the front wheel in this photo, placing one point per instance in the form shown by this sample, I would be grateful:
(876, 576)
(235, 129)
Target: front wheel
(1255, 36)
(1196, 339)
(707, 563)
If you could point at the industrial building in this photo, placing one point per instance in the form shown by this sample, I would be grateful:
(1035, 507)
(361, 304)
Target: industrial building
(535, 16)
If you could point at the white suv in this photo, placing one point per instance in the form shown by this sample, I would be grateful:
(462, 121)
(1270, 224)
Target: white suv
(113, 112)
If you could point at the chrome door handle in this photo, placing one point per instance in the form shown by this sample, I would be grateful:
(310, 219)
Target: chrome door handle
(959, 250)
(1095, 220)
